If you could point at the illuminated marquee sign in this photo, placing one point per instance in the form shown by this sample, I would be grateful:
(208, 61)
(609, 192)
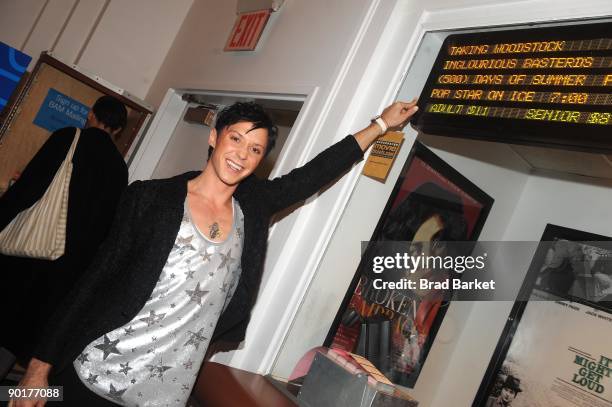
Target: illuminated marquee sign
(543, 86)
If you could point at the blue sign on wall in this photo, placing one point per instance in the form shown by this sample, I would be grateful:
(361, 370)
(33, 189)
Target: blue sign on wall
(59, 110)
(13, 64)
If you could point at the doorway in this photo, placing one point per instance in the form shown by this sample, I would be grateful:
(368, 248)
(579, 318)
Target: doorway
(178, 142)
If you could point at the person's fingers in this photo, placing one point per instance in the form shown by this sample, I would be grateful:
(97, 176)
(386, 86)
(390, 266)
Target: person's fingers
(410, 112)
(408, 105)
(399, 112)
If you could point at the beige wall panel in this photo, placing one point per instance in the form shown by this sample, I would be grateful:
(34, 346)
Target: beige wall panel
(48, 28)
(16, 20)
(77, 30)
(132, 40)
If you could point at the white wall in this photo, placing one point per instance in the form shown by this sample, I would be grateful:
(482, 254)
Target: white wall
(123, 42)
(470, 331)
(575, 202)
(291, 52)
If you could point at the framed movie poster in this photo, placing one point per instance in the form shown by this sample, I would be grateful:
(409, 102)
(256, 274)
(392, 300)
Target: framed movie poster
(431, 203)
(556, 348)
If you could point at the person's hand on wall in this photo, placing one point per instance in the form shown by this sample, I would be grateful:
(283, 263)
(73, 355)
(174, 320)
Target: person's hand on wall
(398, 114)
(393, 116)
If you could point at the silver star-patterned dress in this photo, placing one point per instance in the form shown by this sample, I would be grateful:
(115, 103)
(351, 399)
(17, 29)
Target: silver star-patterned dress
(154, 359)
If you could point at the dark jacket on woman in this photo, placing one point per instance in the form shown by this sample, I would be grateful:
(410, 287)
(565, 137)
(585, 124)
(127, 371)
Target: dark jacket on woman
(126, 269)
(30, 288)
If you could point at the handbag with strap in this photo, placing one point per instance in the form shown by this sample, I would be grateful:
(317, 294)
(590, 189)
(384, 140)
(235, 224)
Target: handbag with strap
(40, 230)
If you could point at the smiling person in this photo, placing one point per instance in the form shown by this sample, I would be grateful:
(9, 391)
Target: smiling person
(181, 268)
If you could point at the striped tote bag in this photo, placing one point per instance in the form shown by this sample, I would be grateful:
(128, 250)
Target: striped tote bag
(40, 230)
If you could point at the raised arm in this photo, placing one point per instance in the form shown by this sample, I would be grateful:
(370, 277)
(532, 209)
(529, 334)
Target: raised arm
(395, 115)
(327, 166)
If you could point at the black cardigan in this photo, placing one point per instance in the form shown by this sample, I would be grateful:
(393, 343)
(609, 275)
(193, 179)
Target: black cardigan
(125, 270)
(99, 177)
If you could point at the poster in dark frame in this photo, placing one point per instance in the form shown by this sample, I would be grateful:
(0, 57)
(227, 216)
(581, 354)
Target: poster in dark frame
(430, 201)
(555, 348)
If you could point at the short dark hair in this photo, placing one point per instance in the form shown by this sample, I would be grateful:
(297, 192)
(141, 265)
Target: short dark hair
(248, 112)
(110, 112)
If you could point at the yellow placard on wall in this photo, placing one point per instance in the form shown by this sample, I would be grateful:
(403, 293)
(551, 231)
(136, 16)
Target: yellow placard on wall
(383, 154)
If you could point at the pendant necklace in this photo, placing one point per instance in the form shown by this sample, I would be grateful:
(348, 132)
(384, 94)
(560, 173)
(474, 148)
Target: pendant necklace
(214, 231)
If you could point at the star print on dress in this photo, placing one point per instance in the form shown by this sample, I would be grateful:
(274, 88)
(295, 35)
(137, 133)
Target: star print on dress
(226, 260)
(153, 318)
(83, 357)
(125, 368)
(92, 379)
(197, 294)
(196, 338)
(115, 394)
(158, 370)
(108, 347)
(183, 243)
(163, 345)
(164, 293)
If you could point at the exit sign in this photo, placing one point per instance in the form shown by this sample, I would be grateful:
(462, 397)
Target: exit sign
(247, 30)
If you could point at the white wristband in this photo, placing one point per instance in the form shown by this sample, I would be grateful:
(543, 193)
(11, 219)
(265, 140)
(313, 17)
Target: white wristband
(383, 126)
